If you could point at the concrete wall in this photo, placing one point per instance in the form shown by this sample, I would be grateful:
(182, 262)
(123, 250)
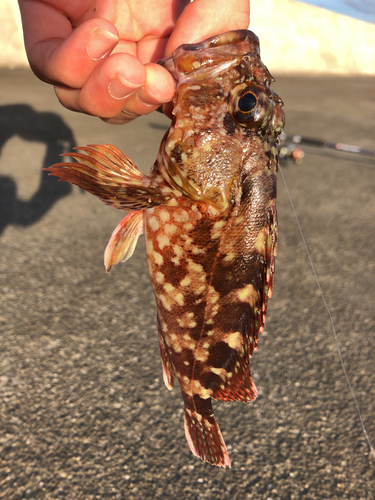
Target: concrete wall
(295, 38)
(12, 52)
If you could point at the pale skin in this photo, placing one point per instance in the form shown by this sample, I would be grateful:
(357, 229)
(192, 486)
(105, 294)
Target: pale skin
(101, 55)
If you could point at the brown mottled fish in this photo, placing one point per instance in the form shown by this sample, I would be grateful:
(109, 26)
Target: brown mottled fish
(208, 211)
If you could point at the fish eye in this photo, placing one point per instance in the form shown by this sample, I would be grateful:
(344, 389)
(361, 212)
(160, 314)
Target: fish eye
(249, 105)
(247, 102)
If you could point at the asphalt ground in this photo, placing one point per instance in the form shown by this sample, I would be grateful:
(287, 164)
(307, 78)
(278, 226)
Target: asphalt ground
(84, 413)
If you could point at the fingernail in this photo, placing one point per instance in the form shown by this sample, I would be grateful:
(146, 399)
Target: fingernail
(119, 88)
(100, 43)
(147, 99)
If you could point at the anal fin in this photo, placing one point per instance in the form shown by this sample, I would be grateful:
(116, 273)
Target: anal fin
(233, 381)
(168, 372)
(203, 433)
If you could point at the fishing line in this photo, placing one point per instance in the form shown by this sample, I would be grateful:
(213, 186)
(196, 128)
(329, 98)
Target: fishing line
(372, 450)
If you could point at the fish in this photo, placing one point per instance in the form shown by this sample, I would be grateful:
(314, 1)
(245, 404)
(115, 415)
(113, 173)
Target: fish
(208, 213)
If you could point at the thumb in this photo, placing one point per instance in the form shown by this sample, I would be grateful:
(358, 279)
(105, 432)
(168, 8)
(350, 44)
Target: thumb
(204, 18)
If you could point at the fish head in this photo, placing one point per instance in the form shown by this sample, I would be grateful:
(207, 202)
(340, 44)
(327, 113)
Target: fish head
(226, 118)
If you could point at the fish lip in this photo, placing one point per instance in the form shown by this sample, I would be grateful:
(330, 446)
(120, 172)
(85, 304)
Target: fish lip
(226, 38)
(223, 39)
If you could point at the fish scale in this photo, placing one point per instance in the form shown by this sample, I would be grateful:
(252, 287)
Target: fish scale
(208, 211)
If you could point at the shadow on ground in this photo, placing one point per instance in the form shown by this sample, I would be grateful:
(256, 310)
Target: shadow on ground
(45, 127)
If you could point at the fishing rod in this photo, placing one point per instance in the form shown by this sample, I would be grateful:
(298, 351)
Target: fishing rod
(290, 147)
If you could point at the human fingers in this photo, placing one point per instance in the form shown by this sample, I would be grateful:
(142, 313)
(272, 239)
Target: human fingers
(159, 89)
(107, 88)
(120, 89)
(63, 56)
(204, 18)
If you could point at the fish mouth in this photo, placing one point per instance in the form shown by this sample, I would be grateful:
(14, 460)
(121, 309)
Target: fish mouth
(226, 38)
(226, 47)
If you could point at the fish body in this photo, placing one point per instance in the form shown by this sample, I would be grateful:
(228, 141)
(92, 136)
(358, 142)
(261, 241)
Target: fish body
(208, 211)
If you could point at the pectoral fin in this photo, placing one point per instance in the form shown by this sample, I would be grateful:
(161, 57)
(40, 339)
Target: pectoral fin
(124, 239)
(111, 176)
(175, 178)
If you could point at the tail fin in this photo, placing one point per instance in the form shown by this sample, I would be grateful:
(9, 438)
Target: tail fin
(107, 173)
(203, 434)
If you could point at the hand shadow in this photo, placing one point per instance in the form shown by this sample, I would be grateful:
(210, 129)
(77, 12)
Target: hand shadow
(45, 127)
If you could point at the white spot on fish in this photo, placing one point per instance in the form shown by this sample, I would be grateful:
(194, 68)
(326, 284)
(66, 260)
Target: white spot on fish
(201, 354)
(186, 281)
(172, 203)
(216, 230)
(159, 277)
(181, 215)
(170, 229)
(260, 242)
(234, 340)
(198, 251)
(200, 390)
(166, 302)
(239, 220)
(178, 250)
(149, 247)
(153, 223)
(193, 266)
(247, 294)
(200, 290)
(221, 372)
(229, 257)
(186, 322)
(163, 240)
(158, 258)
(179, 298)
(188, 241)
(164, 215)
(168, 287)
(213, 295)
(188, 226)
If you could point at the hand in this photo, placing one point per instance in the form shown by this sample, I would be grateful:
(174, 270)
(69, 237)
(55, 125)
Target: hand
(101, 54)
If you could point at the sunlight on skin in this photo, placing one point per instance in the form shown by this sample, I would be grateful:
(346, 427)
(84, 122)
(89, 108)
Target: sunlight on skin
(101, 56)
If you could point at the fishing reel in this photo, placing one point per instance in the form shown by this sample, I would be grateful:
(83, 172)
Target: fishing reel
(290, 147)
